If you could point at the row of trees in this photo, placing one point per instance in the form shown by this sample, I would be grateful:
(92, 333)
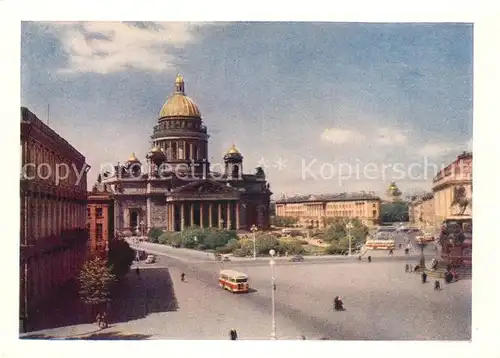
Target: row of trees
(194, 238)
(282, 221)
(337, 235)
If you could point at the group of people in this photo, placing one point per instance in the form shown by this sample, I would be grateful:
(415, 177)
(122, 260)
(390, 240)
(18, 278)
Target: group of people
(102, 320)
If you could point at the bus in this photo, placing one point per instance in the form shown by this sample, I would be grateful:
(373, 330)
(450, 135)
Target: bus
(233, 281)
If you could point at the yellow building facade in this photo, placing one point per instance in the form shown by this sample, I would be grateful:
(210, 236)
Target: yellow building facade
(314, 210)
(422, 211)
(452, 188)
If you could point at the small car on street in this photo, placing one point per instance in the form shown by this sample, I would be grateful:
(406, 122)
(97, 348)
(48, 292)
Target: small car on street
(297, 258)
(151, 259)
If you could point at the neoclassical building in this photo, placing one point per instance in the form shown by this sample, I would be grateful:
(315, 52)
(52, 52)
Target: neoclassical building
(53, 198)
(452, 188)
(174, 187)
(312, 210)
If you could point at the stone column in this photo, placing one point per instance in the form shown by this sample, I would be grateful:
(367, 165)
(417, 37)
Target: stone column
(237, 216)
(191, 154)
(148, 214)
(167, 206)
(201, 214)
(228, 219)
(174, 209)
(182, 217)
(210, 214)
(219, 216)
(191, 216)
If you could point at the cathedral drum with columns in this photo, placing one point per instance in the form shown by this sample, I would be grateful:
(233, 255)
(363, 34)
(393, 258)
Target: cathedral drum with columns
(174, 188)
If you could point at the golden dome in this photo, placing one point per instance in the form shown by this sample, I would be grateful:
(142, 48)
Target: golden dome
(179, 105)
(133, 159)
(233, 150)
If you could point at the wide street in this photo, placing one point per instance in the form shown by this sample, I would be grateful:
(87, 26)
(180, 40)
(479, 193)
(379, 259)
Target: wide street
(382, 301)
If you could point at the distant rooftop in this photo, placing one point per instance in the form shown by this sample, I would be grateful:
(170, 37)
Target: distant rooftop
(328, 197)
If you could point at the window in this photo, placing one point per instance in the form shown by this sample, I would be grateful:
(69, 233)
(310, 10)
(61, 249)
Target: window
(88, 212)
(98, 212)
(98, 231)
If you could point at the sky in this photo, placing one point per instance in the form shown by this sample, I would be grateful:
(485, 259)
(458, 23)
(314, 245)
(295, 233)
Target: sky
(323, 107)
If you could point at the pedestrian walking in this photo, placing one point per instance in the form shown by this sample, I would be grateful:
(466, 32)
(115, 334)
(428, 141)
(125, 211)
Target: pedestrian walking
(424, 277)
(183, 277)
(137, 271)
(233, 335)
(437, 285)
(407, 268)
(369, 259)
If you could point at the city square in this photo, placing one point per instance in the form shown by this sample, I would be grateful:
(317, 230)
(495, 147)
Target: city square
(339, 210)
(383, 302)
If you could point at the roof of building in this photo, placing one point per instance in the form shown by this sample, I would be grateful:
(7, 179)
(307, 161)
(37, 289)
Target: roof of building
(30, 118)
(179, 105)
(328, 197)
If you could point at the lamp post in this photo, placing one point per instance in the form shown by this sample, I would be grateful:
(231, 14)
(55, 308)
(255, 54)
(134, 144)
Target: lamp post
(254, 230)
(141, 224)
(273, 288)
(349, 227)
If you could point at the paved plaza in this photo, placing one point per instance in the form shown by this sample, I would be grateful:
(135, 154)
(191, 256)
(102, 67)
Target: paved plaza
(382, 302)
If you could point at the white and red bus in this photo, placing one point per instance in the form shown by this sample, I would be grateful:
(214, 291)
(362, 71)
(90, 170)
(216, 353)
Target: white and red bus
(376, 244)
(233, 281)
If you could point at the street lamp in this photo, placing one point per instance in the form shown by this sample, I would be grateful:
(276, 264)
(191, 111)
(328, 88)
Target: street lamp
(349, 227)
(254, 230)
(273, 287)
(141, 224)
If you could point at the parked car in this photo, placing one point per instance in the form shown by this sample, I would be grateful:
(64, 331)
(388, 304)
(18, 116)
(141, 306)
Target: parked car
(151, 259)
(225, 258)
(297, 258)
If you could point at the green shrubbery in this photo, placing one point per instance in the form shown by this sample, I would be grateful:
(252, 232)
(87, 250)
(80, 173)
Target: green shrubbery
(198, 238)
(281, 221)
(154, 234)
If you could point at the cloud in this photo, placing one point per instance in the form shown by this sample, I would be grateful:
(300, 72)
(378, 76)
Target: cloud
(108, 47)
(341, 136)
(390, 137)
(469, 144)
(437, 150)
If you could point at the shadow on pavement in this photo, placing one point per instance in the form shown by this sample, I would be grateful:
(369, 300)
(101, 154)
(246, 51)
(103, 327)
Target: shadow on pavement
(137, 296)
(134, 297)
(95, 336)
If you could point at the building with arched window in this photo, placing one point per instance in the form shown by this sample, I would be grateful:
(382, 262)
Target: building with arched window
(174, 186)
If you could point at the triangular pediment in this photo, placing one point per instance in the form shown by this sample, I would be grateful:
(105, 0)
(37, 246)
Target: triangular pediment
(205, 187)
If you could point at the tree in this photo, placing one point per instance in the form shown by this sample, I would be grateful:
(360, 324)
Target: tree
(283, 221)
(154, 234)
(120, 257)
(95, 279)
(395, 212)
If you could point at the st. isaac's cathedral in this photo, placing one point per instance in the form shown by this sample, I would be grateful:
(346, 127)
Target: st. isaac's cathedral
(175, 188)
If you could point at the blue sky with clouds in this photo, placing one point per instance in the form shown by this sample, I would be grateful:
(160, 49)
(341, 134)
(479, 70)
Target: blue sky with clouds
(317, 96)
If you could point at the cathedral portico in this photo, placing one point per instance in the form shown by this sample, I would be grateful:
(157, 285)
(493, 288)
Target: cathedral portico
(177, 190)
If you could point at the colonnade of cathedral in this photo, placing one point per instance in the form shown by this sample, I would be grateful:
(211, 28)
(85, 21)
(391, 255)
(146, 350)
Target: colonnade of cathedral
(182, 149)
(219, 214)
